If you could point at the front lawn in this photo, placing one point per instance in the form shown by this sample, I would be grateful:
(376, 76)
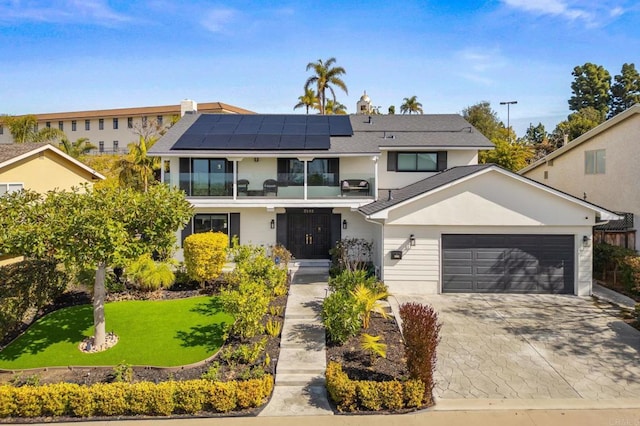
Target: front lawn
(160, 333)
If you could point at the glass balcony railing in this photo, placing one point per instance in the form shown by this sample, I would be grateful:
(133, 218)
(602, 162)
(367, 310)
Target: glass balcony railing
(285, 186)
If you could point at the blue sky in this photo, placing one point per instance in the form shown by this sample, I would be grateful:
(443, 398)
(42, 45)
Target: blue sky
(70, 55)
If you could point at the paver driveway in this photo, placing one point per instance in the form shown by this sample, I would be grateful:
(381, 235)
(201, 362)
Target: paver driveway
(532, 347)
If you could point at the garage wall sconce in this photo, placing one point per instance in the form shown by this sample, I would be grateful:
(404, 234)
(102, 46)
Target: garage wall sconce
(344, 224)
(585, 241)
(273, 224)
(412, 240)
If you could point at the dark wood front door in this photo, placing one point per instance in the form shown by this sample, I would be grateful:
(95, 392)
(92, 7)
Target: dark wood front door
(309, 233)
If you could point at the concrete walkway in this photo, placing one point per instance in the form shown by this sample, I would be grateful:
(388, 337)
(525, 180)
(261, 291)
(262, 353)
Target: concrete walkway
(300, 384)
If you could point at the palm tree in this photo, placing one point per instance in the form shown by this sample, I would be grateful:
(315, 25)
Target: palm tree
(326, 76)
(335, 108)
(25, 129)
(308, 100)
(76, 149)
(411, 105)
(137, 168)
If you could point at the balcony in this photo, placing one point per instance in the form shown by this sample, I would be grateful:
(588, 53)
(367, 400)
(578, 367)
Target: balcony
(274, 186)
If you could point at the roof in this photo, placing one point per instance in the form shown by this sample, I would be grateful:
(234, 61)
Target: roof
(457, 174)
(14, 152)
(585, 137)
(623, 224)
(371, 135)
(213, 107)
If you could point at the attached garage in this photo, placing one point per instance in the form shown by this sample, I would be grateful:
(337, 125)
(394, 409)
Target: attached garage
(511, 263)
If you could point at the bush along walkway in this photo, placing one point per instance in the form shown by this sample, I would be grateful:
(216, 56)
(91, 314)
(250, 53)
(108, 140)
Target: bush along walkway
(300, 383)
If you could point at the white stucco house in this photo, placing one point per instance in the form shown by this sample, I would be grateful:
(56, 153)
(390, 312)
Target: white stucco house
(601, 166)
(439, 222)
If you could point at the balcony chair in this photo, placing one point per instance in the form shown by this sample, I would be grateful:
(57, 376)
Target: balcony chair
(270, 186)
(243, 186)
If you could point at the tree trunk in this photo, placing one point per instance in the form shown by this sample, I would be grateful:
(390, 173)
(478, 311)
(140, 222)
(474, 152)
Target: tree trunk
(98, 307)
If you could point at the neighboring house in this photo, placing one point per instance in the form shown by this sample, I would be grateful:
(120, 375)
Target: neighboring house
(41, 168)
(411, 184)
(601, 166)
(111, 130)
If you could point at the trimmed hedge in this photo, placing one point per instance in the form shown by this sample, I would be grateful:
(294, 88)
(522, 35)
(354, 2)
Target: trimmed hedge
(356, 395)
(143, 398)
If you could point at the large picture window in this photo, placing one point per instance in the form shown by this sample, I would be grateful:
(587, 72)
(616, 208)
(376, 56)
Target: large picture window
(320, 172)
(206, 176)
(417, 162)
(595, 162)
(211, 222)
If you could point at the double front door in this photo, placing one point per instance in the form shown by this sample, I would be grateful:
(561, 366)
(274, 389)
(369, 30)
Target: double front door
(309, 233)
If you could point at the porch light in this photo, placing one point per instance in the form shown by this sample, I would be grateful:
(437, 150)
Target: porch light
(585, 241)
(344, 224)
(273, 224)
(412, 240)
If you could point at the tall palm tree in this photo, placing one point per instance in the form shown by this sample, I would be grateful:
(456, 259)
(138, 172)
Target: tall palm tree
(76, 149)
(308, 100)
(25, 129)
(411, 105)
(335, 108)
(137, 168)
(326, 76)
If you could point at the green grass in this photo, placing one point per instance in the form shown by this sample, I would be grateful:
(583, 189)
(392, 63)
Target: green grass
(161, 333)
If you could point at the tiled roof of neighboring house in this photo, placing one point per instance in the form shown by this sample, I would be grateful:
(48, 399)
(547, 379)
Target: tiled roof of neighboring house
(624, 224)
(585, 137)
(370, 136)
(206, 107)
(12, 150)
(397, 196)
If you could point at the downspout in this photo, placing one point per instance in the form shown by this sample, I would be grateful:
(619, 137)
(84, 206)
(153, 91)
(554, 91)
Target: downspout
(381, 256)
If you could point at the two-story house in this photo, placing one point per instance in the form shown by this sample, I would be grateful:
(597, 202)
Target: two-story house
(439, 222)
(601, 166)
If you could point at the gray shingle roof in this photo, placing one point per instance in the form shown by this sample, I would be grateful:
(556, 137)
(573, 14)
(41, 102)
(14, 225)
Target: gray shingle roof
(370, 135)
(421, 187)
(12, 150)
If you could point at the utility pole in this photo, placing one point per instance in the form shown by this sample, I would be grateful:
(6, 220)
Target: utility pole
(508, 104)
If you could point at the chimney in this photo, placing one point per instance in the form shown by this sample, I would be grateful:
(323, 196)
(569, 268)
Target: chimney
(565, 139)
(188, 106)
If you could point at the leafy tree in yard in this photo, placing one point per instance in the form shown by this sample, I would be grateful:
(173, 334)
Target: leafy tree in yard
(24, 129)
(308, 100)
(326, 77)
(577, 124)
(484, 118)
(625, 91)
(204, 255)
(590, 88)
(137, 168)
(95, 229)
(411, 105)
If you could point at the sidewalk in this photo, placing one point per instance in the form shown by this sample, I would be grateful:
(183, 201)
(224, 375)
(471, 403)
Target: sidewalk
(300, 384)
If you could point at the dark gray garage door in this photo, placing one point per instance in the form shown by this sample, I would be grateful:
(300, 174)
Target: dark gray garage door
(507, 263)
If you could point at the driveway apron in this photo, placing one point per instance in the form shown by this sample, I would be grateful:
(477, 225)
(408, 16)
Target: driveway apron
(531, 347)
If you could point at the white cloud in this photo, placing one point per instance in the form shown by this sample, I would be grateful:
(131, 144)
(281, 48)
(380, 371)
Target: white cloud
(590, 12)
(479, 65)
(217, 20)
(94, 12)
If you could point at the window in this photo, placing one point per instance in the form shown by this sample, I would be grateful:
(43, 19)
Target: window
(211, 177)
(130, 122)
(101, 124)
(115, 124)
(320, 172)
(595, 162)
(61, 125)
(8, 188)
(87, 124)
(73, 125)
(115, 146)
(1, 130)
(211, 222)
(546, 174)
(101, 146)
(159, 119)
(144, 121)
(417, 162)
(47, 124)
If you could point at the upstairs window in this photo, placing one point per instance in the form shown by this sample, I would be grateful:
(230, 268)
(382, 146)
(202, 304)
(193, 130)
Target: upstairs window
(101, 147)
(74, 125)
(61, 125)
(159, 120)
(130, 122)
(595, 162)
(47, 124)
(320, 172)
(115, 124)
(416, 161)
(101, 124)
(87, 124)
(1, 130)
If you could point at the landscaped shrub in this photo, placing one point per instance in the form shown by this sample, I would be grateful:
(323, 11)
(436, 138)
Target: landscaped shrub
(348, 280)
(253, 264)
(353, 395)
(613, 263)
(205, 255)
(248, 303)
(27, 286)
(144, 398)
(420, 329)
(149, 275)
(369, 301)
(341, 316)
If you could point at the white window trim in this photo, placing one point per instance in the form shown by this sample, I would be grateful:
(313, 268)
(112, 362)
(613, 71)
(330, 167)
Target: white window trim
(7, 184)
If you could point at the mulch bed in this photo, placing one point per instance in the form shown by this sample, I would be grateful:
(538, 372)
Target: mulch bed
(359, 365)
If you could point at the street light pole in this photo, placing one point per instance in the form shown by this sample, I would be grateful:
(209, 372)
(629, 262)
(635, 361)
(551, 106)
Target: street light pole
(508, 104)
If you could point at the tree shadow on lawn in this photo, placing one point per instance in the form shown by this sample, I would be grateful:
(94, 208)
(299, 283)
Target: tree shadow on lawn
(210, 336)
(65, 325)
(211, 307)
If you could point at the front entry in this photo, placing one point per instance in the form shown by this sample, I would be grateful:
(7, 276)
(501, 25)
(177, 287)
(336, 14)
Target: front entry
(309, 232)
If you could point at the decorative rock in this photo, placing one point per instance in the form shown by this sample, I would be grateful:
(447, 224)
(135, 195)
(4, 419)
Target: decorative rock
(87, 345)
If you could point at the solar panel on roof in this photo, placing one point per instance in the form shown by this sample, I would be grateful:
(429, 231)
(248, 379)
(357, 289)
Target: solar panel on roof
(294, 129)
(271, 128)
(317, 129)
(188, 142)
(267, 142)
(217, 141)
(291, 142)
(241, 142)
(317, 142)
(340, 126)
